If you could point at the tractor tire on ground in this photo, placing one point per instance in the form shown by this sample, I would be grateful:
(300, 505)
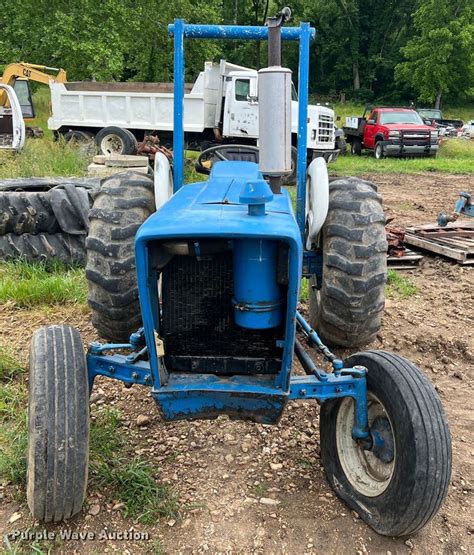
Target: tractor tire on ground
(64, 208)
(44, 247)
(116, 140)
(124, 202)
(58, 424)
(399, 485)
(347, 310)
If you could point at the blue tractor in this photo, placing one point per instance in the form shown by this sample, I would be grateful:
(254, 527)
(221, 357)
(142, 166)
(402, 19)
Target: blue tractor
(199, 300)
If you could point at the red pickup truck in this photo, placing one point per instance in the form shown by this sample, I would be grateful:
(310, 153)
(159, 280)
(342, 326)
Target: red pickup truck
(391, 132)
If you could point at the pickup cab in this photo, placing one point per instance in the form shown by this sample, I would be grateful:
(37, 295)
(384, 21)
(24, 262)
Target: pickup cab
(391, 132)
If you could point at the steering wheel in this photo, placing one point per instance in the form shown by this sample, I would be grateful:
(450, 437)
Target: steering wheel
(227, 152)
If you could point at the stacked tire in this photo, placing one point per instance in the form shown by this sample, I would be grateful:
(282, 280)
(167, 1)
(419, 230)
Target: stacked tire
(42, 219)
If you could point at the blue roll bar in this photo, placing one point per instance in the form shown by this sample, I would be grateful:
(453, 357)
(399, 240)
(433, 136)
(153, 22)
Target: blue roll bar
(304, 33)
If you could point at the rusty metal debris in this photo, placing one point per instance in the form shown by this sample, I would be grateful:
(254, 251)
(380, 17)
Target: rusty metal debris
(151, 145)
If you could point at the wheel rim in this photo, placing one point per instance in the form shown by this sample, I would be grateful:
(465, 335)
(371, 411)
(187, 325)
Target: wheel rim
(378, 152)
(112, 143)
(366, 473)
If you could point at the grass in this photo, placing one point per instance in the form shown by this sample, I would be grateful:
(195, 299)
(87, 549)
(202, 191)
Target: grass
(13, 423)
(455, 156)
(399, 286)
(27, 284)
(132, 482)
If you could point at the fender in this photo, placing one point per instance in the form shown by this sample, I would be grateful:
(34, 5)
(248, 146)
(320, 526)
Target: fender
(163, 180)
(317, 199)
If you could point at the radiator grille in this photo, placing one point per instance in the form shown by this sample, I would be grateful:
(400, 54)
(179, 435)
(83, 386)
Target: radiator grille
(325, 128)
(198, 321)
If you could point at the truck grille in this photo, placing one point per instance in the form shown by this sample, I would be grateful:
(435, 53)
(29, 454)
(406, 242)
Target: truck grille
(415, 137)
(325, 128)
(198, 327)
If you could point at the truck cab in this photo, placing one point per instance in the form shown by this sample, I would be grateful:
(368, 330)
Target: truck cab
(240, 115)
(391, 132)
(12, 126)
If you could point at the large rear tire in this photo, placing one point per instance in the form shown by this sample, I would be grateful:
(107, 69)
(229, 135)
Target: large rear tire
(400, 484)
(347, 310)
(124, 202)
(58, 424)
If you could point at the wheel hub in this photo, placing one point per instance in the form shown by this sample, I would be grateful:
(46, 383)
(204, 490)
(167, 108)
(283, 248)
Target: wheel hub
(368, 468)
(382, 439)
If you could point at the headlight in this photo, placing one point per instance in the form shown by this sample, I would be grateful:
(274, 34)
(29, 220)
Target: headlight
(434, 134)
(394, 134)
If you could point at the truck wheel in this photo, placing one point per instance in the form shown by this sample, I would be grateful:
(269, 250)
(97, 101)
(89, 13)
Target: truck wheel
(44, 247)
(379, 151)
(124, 202)
(400, 484)
(58, 424)
(347, 309)
(116, 140)
(341, 145)
(356, 147)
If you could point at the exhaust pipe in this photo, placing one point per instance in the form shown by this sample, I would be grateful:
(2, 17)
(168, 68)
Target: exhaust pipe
(274, 94)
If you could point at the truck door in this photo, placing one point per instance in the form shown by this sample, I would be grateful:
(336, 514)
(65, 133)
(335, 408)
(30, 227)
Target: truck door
(370, 130)
(241, 108)
(12, 126)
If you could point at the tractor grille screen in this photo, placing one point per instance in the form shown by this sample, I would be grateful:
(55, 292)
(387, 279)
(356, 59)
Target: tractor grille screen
(198, 325)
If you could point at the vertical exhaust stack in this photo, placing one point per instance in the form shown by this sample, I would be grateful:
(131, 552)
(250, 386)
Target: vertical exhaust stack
(274, 97)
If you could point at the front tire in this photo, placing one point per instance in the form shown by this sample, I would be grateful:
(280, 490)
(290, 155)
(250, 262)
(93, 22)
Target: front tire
(347, 309)
(58, 424)
(398, 490)
(379, 152)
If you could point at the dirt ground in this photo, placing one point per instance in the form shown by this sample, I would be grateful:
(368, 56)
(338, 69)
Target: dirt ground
(222, 470)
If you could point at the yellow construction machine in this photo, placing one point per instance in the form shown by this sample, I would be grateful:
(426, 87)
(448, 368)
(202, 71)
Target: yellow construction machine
(18, 75)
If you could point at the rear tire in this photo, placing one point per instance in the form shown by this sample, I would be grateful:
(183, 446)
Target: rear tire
(398, 490)
(115, 140)
(124, 202)
(347, 310)
(356, 147)
(58, 424)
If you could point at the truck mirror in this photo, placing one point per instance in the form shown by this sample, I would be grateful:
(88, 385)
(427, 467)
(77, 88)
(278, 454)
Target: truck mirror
(252, 97)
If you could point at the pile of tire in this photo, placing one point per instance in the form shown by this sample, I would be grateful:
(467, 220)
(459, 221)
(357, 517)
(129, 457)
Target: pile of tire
(42, 219)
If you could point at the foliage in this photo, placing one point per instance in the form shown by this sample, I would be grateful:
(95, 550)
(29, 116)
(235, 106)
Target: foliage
(440, 57)
(358, 44)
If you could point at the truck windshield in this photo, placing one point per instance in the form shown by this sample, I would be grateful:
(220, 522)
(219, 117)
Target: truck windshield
(433, 114)
(400, 117)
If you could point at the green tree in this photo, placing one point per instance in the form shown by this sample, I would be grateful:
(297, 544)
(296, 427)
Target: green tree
(440, 57)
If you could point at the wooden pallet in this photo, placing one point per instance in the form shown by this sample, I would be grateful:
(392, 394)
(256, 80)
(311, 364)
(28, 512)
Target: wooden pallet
(455, 241)
(408, 261)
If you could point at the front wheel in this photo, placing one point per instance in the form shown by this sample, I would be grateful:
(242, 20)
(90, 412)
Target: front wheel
(400, 483)
(379, 151)
(58, 424)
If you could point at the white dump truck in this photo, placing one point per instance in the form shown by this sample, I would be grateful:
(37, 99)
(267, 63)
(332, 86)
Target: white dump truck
(220, 107)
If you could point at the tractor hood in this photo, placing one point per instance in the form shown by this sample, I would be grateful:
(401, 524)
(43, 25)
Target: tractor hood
(213, 209)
